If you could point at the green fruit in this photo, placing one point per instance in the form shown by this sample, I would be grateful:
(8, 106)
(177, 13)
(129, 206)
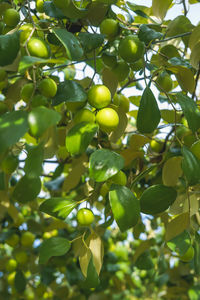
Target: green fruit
(11, 17)
(109, 27)
(26, 30)
(27, 239)
(69, 73)
(108, 119)
(39, 6)
(156, 146)
(37, 47)
(11, 278)
(195, 149)
(9, 164)
(21, 257)
(48, 87)
(84, 115)
(99, 96)
(109, 60)
(164, 82)
(188, 256)
(74, 106)
(13, 240)
(85, 216)
(62, 4)
(11, 265)
(27, 92)
(131, 48)
(121, 70)
(122, 102)
(119, 178)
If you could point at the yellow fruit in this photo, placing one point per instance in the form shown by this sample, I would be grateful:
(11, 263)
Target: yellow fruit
(195, 149)
(13, 240)
(84, 115)
(11, 265)
(48, 87)
(108, 119)
(99, 96)
(27, 239)
(121, 70)
(11, 17)
(122, 102)
(109, 27)
(85, 217)
(156, 145)
(188, 256)
(131, 48)
(37, 47)
(164, 82)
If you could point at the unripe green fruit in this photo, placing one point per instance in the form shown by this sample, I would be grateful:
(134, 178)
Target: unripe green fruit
(119, 178)
(21, 257)
(156, 146)
(109, 27)
(9, 164)
(84, 115)
(39, 6)
(164, 82)
(12, 240)
(122, 102)
(131, 48)
(48, 87)
(11, 17)
(188, 256)
(11, 278)
(99, 96)
(27, 239)
(85, 217)
(69, 73)
(108, 119)
(37, 47)
(27, 92)
(121, 70)
(11, 265)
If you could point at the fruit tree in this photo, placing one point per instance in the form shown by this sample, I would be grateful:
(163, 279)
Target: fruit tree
(99, 149)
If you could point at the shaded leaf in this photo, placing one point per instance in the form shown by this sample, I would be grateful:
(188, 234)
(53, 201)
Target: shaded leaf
(9, 48)
(33, 164)
(176, 226)
(180, 243)
(20, 281)
(27, 189)
(190, 166)
(90, 41)
(172, 171)
(147, 34)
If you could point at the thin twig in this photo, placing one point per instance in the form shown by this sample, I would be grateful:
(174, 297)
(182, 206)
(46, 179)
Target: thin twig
(172, 37)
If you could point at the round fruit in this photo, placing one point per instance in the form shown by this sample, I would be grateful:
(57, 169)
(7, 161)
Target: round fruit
(27, 92)
(37, 47)
(84, 115)
(69, 73)
(188, 256)
(108, 119)
(21, 257)
(131, 48)
(13, 240)
(9, 164)
(74, 106)
(39, 6)
(121, 101)
(11, 17)
(121, 70)
(119, 178)
(48, 87)
(156, 146)
(109, 60)
(11, 265)
(164, 82)
(39, 100)
(62, 4)
(99, 96)
(27, 239)
(109, 27)
(85, 216)
(195, 149)
(11, 278)
(26, 30)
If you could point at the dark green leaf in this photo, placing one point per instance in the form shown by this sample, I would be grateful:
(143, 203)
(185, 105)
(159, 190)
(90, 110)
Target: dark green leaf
(148, 116)
(27, 189)
(190, 111)
(79, 137)
(180, 243)
(33, 164)
(52, 11)
(55, 246)
(144, 261)
(197, 253)
(69, 91)
(92, 279)
(9, 48)
(70, 42)
(104, 164)
(20, 281)
(90, 41)
(125, 206)
(147, 34)
(190, 166)
(157, 199)
(13, 126)
(58, 207)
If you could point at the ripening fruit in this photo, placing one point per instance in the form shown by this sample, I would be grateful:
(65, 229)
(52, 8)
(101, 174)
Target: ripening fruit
(122, 102)
(9, 164)
(27, 239)
(164, 82)
(13, 240)
(84, 115)
(188, 256)
(121, 70)
(27, 92)
(11, 17)
(37, 47)
(85, 217)
(156, 146)
(109, 60)
(195, 149)
(131, 48)
(21, 257)
(62, 4)
(119, 178)
(109, 27)
(47, 87)
(99, 96)
(108, 119)
(11, 265)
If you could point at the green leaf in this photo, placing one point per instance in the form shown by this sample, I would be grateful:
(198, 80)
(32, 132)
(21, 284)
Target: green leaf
(144, 261)
(70, 42)
(148, 116)
(172, 171)
(33, 164)
(9, 48)
(147, 34)
(92, 279)
(125, 206)
(13, 126)
(104, 164)
(190, 166)
(79, 137)
(157, 199)
(180, 24)
(55, 246)
(180, 243)
(190, 110)
(90, 41)
(52, 11)
(28, 61)
(184, 76)
(197, 254)
(20, 281)
(27, 189)
(74, 12)
(69, 91)
(160, 7)
(58, 207)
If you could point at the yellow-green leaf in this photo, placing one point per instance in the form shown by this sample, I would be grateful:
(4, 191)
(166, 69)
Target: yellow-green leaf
(160, 7)
(172, 171)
